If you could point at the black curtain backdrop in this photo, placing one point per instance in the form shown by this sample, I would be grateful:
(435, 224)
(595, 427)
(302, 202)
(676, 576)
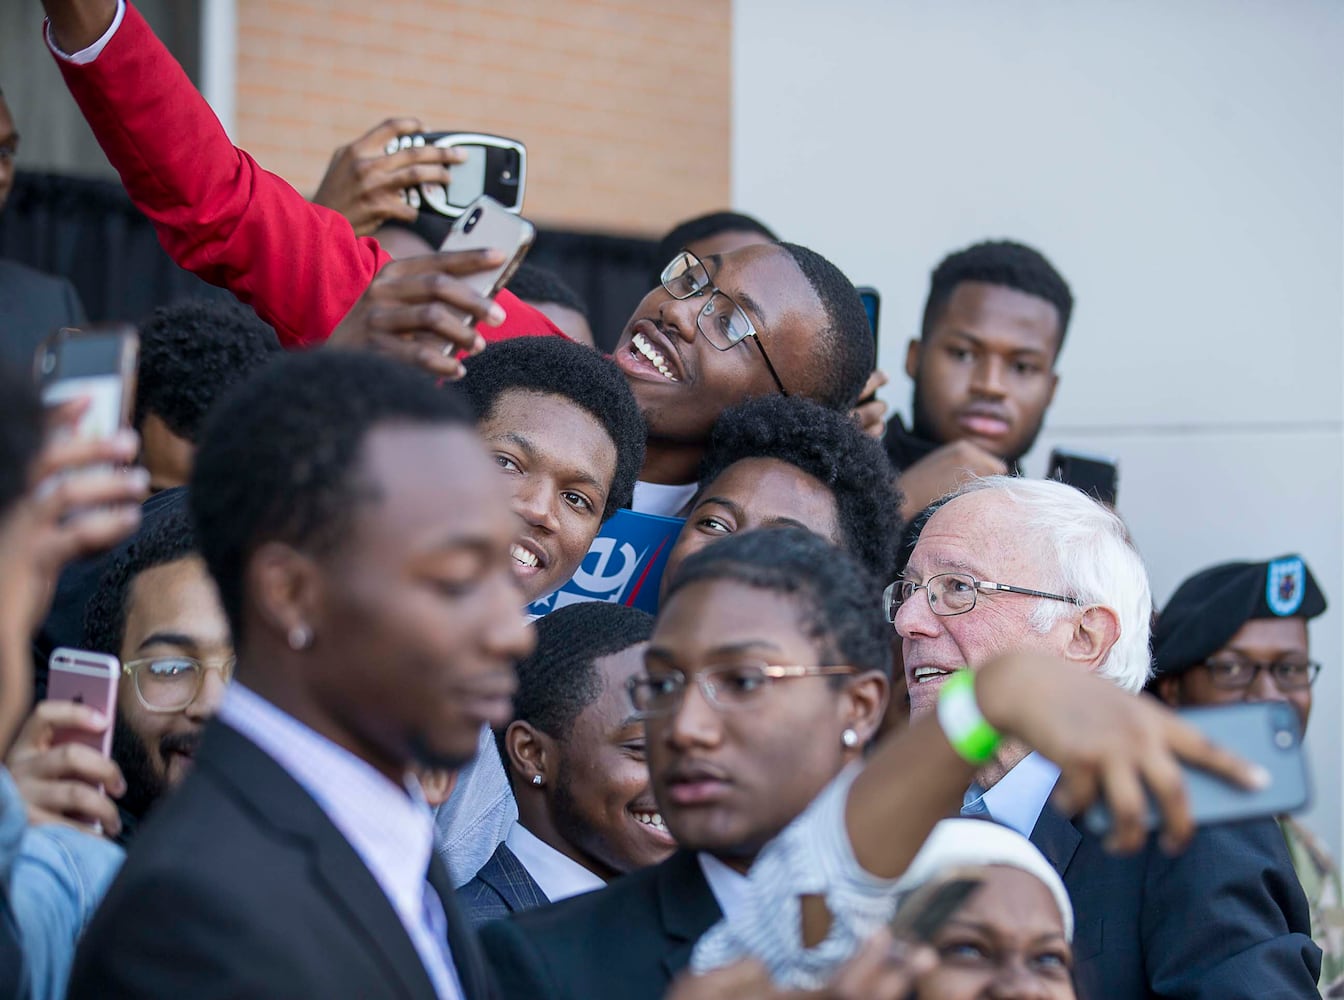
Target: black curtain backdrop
(88, 231)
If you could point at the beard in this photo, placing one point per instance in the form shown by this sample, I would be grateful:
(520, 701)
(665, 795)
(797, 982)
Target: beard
(576, 831)
(145, 783)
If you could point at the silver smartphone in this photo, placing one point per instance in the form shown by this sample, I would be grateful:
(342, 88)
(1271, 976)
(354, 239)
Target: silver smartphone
(1267, 733)
(488, 225)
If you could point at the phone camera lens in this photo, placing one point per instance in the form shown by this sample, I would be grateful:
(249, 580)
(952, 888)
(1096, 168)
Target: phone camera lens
(472, 219)
(1284, 740)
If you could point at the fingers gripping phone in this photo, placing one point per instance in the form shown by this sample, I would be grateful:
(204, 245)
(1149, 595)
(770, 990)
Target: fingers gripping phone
(97, 362)
(86, 679)
(494, 166)
(1267, 733)
(487, 225)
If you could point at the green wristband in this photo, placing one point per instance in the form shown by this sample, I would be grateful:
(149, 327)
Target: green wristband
(974, 739)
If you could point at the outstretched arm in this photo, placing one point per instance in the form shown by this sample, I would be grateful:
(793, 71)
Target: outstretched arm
(216, 211)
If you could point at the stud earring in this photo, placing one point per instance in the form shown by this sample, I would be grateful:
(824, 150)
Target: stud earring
(300, 638)
(850, 739)
(536, 779)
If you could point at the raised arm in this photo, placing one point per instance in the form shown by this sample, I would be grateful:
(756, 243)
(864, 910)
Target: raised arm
(216, 211)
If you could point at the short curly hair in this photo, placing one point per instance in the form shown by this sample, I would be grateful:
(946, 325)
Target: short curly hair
(839, 603)
(190, 353)
(830, 448)
(554, 366)
(1004, 263)
(167, 539)
(847, 339)
(279, 455)
(560, 679)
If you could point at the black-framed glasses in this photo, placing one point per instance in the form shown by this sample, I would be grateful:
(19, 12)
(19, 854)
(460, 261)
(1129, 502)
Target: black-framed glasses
(729, 687)
(721, 320)
(1236, 673)
(171, 683)
(955, 594)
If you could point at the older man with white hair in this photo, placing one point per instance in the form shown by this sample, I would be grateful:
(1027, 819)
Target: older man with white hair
(1014, 564)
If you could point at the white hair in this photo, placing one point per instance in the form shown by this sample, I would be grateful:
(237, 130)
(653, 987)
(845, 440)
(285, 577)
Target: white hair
(1088, 554)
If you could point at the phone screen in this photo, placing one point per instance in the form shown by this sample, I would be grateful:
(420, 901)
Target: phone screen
(77, 364)
(468, 179)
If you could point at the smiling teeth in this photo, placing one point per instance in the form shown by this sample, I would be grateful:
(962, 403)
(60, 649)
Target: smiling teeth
(923, 674)
(523, 556)
(654, 820)
(651, 352)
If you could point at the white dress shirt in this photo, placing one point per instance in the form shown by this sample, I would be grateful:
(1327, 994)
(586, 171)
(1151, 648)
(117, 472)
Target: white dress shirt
(87, 55)
(390, 827)
(659, 498)
(558, 875)
(728, 885)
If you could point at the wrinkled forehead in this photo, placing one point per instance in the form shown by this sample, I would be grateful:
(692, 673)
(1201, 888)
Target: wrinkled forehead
(979, 533)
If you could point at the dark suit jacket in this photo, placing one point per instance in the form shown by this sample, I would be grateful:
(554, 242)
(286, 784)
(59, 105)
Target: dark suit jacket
(624, 942)
(1224, 920)
(32, 305)
(240, 886)
(501, 887)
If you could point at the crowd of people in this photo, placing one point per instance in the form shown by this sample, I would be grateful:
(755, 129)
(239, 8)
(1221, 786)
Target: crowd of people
(346, 762)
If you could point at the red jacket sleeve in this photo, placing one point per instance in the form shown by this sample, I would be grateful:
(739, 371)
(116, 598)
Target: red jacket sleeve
(219, 214)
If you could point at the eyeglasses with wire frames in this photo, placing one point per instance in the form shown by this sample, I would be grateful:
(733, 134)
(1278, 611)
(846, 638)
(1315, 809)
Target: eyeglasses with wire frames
(955, 594)
(1238, 673)
(721, 320)
(729, 687)
(171, 683)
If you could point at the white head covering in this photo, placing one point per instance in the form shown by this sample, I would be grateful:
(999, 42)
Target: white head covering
(964, 843)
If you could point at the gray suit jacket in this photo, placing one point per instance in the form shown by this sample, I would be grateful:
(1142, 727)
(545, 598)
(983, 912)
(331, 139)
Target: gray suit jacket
(501, 887)
(32, 305)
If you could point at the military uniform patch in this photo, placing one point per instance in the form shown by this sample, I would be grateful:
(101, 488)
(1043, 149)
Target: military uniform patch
(1285, 586)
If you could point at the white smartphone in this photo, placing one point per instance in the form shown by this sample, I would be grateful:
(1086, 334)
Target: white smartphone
(98, 362)
(87, 679)
(485, 224)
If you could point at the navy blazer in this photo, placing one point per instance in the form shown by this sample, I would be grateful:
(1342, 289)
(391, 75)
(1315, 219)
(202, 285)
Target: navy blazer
(501, 887)
(1226, 919)
(240, 886)
(624, 942)
(32, 305)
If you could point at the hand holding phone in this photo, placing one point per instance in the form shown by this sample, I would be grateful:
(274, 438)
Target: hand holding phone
(488, 165)
(486, 225)
(1267, 734)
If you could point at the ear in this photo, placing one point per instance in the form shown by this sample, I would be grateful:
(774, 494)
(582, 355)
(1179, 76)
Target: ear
(1169, 689)
(531, 753)
(1097, 632)
(864, 704)
(912, 352)
(287, 588)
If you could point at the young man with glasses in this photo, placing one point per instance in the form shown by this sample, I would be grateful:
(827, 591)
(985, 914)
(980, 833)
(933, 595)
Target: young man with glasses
(303, 270)
(1237, 632)
(157, 610)
(1016, 564)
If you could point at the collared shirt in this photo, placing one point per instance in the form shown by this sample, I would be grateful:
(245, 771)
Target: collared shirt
(1017, 799)
(390, 827)
(478, 815)
(659, 498)
(728, 885)
(558, 875)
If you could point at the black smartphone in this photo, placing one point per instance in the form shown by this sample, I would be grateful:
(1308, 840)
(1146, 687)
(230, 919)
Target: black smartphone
(1093, 474)
(927, 908)
(872, 306)
(1267, 733)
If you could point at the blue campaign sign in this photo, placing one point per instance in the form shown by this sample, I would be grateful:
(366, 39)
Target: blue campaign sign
(624, 565)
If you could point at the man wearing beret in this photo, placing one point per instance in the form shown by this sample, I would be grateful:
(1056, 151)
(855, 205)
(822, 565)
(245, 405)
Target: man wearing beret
(1238, 632)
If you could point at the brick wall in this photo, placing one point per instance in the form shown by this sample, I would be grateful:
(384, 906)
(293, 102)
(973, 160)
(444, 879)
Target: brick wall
(624, 104)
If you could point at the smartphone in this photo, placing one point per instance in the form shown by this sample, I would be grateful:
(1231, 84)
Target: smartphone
(927, 908)
(872, 305)
(495, 166)
(1095, 475)
(86, 679)
(98, 362)
(1267, 733)
(487, 224)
